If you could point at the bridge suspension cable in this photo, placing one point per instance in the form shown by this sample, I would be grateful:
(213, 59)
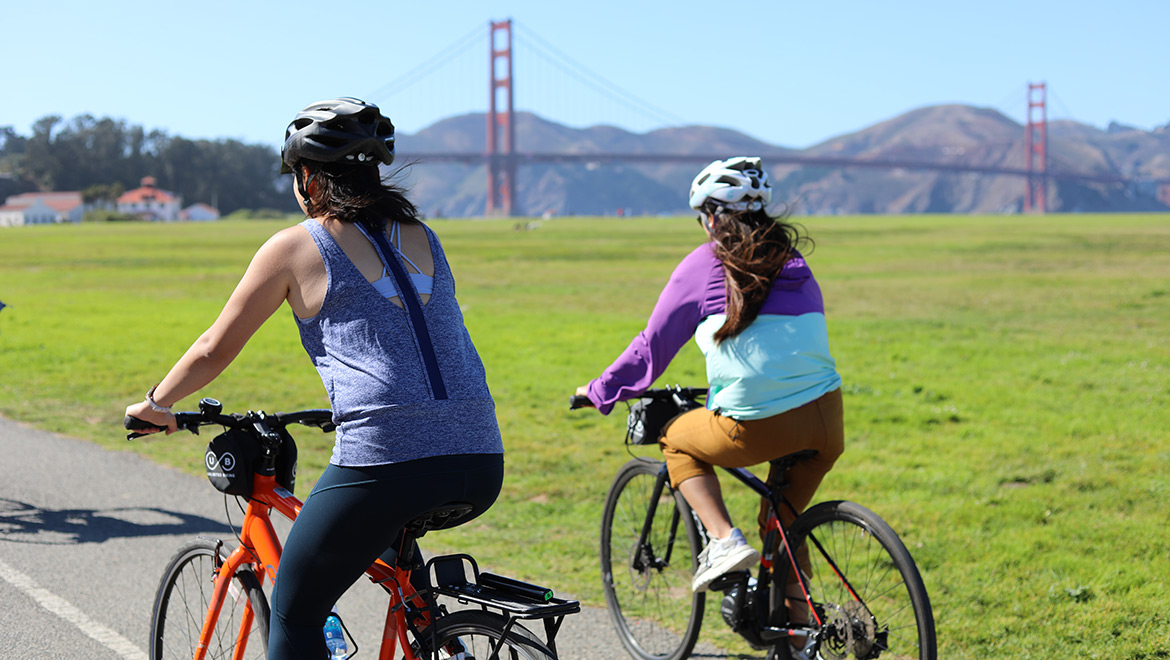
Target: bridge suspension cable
(554, 56)
(440, 59)
(465, 55)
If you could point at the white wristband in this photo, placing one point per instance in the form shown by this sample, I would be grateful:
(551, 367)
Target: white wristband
(154, 404)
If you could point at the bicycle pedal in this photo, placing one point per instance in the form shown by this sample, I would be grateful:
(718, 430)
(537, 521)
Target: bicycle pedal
(730, 581)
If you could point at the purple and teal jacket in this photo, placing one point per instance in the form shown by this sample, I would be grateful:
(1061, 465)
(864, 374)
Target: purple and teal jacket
(779, 362)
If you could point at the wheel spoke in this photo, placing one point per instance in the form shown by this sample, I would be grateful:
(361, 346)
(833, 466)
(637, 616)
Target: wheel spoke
(865, 583)
(183, 601)
(473, 634)
(650, 599)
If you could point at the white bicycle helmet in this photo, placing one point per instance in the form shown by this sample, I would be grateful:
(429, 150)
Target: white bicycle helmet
(737, 184)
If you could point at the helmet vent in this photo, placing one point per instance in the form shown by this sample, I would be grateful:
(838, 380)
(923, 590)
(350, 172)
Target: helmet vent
(330, 141)
(338, 130)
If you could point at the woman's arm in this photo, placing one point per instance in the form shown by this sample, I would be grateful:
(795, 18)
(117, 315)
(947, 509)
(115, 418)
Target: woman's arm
(260, 292)
(693, 292)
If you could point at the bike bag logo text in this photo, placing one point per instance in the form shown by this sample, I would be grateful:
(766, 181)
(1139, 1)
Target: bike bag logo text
(222, 465)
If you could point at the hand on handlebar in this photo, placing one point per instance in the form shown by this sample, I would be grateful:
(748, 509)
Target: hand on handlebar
(580, 399)
(145, 420)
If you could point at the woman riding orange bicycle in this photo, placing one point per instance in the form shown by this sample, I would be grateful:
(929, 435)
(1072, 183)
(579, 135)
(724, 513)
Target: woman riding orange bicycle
(752, 305)
(374, 300)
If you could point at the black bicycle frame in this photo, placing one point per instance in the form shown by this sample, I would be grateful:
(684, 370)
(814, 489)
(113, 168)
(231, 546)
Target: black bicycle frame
(776, 499)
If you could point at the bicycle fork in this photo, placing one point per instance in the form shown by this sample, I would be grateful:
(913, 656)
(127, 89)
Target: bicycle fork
(225, 572)
(259, 546)
(645, 558)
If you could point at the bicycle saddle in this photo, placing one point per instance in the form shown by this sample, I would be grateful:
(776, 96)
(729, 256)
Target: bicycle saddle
(781, 466)
(448, 515)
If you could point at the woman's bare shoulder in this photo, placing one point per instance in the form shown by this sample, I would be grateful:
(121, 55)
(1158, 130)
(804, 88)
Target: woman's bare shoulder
(289, 241)
(286, 248)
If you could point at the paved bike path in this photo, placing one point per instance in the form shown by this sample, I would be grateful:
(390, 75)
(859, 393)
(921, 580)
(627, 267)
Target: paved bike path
(86, 532)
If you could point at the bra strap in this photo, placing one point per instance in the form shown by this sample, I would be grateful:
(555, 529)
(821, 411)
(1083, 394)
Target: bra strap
(414, 310)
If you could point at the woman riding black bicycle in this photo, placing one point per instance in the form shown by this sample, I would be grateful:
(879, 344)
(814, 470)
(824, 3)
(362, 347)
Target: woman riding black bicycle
(755, 310)
(374, 300)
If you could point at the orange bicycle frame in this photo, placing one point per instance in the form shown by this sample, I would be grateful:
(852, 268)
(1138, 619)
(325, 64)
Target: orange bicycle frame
(260, 548)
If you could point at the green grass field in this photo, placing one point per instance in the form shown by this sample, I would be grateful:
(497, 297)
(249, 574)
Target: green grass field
(1007, 405)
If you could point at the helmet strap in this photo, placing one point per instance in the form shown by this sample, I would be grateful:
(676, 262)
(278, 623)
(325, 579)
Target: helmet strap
(708, 215)
(303, 187)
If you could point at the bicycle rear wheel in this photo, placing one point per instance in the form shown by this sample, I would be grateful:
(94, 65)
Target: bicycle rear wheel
(182, 602)
(474, 633)
(864, 583)
(648, 585)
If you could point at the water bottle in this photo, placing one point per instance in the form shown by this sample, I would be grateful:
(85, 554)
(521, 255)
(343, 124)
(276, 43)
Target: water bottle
(335, 636)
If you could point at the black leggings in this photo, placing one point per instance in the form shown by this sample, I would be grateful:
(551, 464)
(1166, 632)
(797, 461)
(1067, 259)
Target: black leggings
(354, 515)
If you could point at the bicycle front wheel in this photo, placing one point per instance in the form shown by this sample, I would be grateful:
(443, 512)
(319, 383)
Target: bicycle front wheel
(647, 580)
(181, 606)
(475, 633)
(865, 586)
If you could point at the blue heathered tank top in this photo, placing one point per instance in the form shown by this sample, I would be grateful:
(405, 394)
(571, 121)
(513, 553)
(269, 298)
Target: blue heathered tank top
(365, 350)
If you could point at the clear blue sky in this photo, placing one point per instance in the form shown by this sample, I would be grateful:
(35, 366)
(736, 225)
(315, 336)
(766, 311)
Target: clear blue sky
(790, 73)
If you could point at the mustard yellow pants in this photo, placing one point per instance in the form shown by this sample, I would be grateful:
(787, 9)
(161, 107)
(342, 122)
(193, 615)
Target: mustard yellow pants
(697, 440)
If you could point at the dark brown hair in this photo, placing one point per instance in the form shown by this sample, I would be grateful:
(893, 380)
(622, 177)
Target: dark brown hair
(753, 247)
(354, 193)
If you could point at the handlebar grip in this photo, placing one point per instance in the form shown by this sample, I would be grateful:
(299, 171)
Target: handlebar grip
(134, 424)
(579, 401)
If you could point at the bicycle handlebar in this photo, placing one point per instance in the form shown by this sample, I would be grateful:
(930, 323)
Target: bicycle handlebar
(675, 393)
(211, 412)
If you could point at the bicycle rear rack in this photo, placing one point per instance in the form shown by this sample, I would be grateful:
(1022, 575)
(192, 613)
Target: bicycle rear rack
(519, 600)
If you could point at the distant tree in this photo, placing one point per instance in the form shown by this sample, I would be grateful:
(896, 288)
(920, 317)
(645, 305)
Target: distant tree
(86, 153)
(40, 164)
(12, 146)
(103, 193)
(11, 143)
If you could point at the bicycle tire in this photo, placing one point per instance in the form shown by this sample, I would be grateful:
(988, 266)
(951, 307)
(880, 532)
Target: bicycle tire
(182, 601)
(648, 590)
(880, 608)
(478, 632)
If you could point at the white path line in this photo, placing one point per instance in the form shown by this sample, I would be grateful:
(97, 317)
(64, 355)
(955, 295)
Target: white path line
(67, 611)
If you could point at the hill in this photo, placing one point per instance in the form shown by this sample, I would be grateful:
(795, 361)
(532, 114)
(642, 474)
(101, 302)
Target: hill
(955, 134)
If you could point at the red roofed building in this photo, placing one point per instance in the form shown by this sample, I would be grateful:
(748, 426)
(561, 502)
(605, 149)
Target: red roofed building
(150, 202)
(38, 208)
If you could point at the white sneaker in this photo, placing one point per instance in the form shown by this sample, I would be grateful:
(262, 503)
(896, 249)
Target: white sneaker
(723, 556)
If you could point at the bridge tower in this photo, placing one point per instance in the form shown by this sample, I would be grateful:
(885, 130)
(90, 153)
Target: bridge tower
(501, 149)
(1036, 148)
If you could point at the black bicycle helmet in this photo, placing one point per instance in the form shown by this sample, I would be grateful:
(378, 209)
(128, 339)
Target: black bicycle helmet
(344, 129)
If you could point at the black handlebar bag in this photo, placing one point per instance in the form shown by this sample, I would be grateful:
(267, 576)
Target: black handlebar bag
(647, 420)
(234, 455)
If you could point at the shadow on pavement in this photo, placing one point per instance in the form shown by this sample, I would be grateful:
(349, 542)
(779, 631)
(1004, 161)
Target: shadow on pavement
(24, 523)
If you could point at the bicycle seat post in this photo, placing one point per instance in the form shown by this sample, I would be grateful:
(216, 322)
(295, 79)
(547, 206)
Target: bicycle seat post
(778, 480)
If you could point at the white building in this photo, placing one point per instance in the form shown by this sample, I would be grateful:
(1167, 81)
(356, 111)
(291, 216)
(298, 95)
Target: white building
(150, 202)
(199, 212)
(39, 208)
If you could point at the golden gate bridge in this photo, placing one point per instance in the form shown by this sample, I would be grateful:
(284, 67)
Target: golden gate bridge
(503, 160)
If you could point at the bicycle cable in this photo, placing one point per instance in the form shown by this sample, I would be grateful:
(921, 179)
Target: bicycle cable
(228, 514)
